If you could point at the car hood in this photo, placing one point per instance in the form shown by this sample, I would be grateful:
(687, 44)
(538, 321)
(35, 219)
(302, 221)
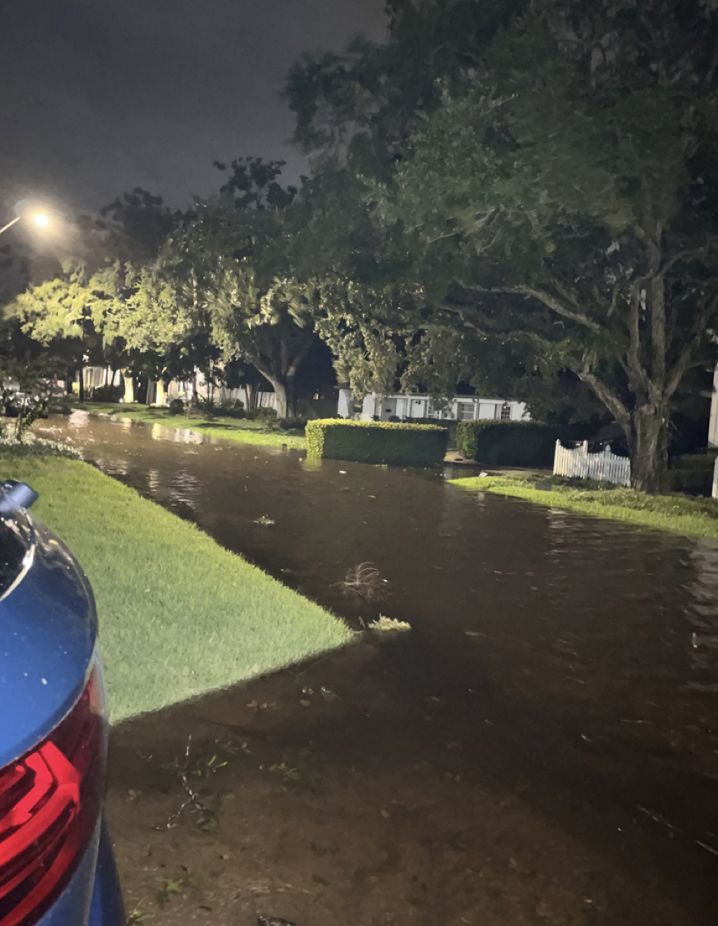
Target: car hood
(48, 631)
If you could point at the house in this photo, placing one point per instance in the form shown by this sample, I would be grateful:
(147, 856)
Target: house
(460, 408)
(713, 421)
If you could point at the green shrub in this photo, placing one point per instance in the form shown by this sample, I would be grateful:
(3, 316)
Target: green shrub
(237, 413)
(232, 409)
(507, 443)
(377, 441)
(262, 414)
(176, 407)
(448, 423)
(108, 393)
(695, 461)
(292, 424)
(692, 481)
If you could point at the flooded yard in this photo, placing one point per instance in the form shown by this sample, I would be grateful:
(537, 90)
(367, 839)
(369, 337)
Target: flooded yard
(541, 747)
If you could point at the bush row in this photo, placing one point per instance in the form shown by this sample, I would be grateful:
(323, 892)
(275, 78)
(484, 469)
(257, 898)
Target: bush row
(507, 443)
(236, 410)
(377, 441)
(448, 423)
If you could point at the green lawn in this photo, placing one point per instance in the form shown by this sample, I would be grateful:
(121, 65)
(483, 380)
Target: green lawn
(241, 430)
(680, 514)
(179, 615)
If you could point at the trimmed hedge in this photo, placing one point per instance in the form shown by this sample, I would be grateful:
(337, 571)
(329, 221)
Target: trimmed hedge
(692, 473)
(448, 423)
(377, 441)
(507, 443)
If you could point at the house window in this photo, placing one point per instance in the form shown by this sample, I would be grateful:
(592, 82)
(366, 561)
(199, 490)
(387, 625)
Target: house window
(466, 411)
(505, 412)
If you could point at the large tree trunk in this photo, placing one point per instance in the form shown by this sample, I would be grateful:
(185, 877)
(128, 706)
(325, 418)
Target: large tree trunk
(285, 402)
(281, 397)
(251, 391)
(648, 449)
(291, 397)
(194, 401)
(129, 396)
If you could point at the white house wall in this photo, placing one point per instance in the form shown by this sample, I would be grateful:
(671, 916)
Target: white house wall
(713, 423)
(411, 406)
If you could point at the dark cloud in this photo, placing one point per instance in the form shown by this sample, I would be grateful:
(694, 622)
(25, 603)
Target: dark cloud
(98, 96)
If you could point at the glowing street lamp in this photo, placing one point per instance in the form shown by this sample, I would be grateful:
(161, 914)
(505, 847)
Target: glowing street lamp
(39, 218)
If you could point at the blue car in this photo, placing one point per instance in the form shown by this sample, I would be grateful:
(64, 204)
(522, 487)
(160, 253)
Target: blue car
(56, 861)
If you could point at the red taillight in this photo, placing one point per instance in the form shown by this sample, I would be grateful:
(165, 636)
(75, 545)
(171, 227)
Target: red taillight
(50, 801)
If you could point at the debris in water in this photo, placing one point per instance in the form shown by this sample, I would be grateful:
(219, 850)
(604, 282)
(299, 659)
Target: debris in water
(365, 580)
(388, 625)
(273, 921)
(265, 521)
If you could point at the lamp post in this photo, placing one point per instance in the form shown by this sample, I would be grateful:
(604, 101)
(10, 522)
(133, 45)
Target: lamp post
(39, 218)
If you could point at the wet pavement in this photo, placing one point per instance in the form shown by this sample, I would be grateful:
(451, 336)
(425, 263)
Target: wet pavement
(541, 747)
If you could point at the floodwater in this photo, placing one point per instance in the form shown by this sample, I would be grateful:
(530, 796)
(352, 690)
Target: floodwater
(542, 747)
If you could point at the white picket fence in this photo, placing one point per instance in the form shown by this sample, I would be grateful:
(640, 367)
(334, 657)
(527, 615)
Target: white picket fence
(604, 466)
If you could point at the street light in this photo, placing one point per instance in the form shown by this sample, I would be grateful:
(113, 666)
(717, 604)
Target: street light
(39, 218)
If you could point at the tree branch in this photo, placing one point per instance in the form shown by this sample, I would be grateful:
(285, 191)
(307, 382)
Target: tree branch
(609, 398)
(687, 255)
(637, 375)
(548, 299)
(684, 360)
(487, 330)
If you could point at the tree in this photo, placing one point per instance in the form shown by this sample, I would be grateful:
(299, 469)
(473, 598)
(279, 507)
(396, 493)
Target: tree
(89, 300)
(26, 388)
(569, 214)
(268, 327)
(551, 199)
(365, 103)
(233, 264)
(66, 314)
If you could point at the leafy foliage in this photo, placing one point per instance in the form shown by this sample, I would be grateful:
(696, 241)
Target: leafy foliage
(507, 443)
(26, 388)
(377, 442)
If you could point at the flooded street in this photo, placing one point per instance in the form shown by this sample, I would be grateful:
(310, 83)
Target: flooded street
(542, 747)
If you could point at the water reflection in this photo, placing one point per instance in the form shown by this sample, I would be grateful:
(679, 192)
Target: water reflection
(574, 610)
(702, 616)
(575, 655)
(161, 433)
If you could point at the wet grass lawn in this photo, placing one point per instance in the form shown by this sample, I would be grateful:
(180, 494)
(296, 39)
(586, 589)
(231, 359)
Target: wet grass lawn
(179, 615)
(241, 430)
(680, 514)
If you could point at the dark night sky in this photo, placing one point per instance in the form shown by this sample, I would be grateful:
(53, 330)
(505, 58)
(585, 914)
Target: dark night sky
(99, 96)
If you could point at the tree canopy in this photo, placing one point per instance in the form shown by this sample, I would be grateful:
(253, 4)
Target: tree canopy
(520, 195)
(556, 198)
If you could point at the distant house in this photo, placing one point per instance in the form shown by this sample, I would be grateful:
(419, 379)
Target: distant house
(460, 408)
(713, 422)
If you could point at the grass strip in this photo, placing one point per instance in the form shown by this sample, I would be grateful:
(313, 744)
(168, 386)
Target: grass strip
(179, 615)
(241, 430)
(680, 514)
